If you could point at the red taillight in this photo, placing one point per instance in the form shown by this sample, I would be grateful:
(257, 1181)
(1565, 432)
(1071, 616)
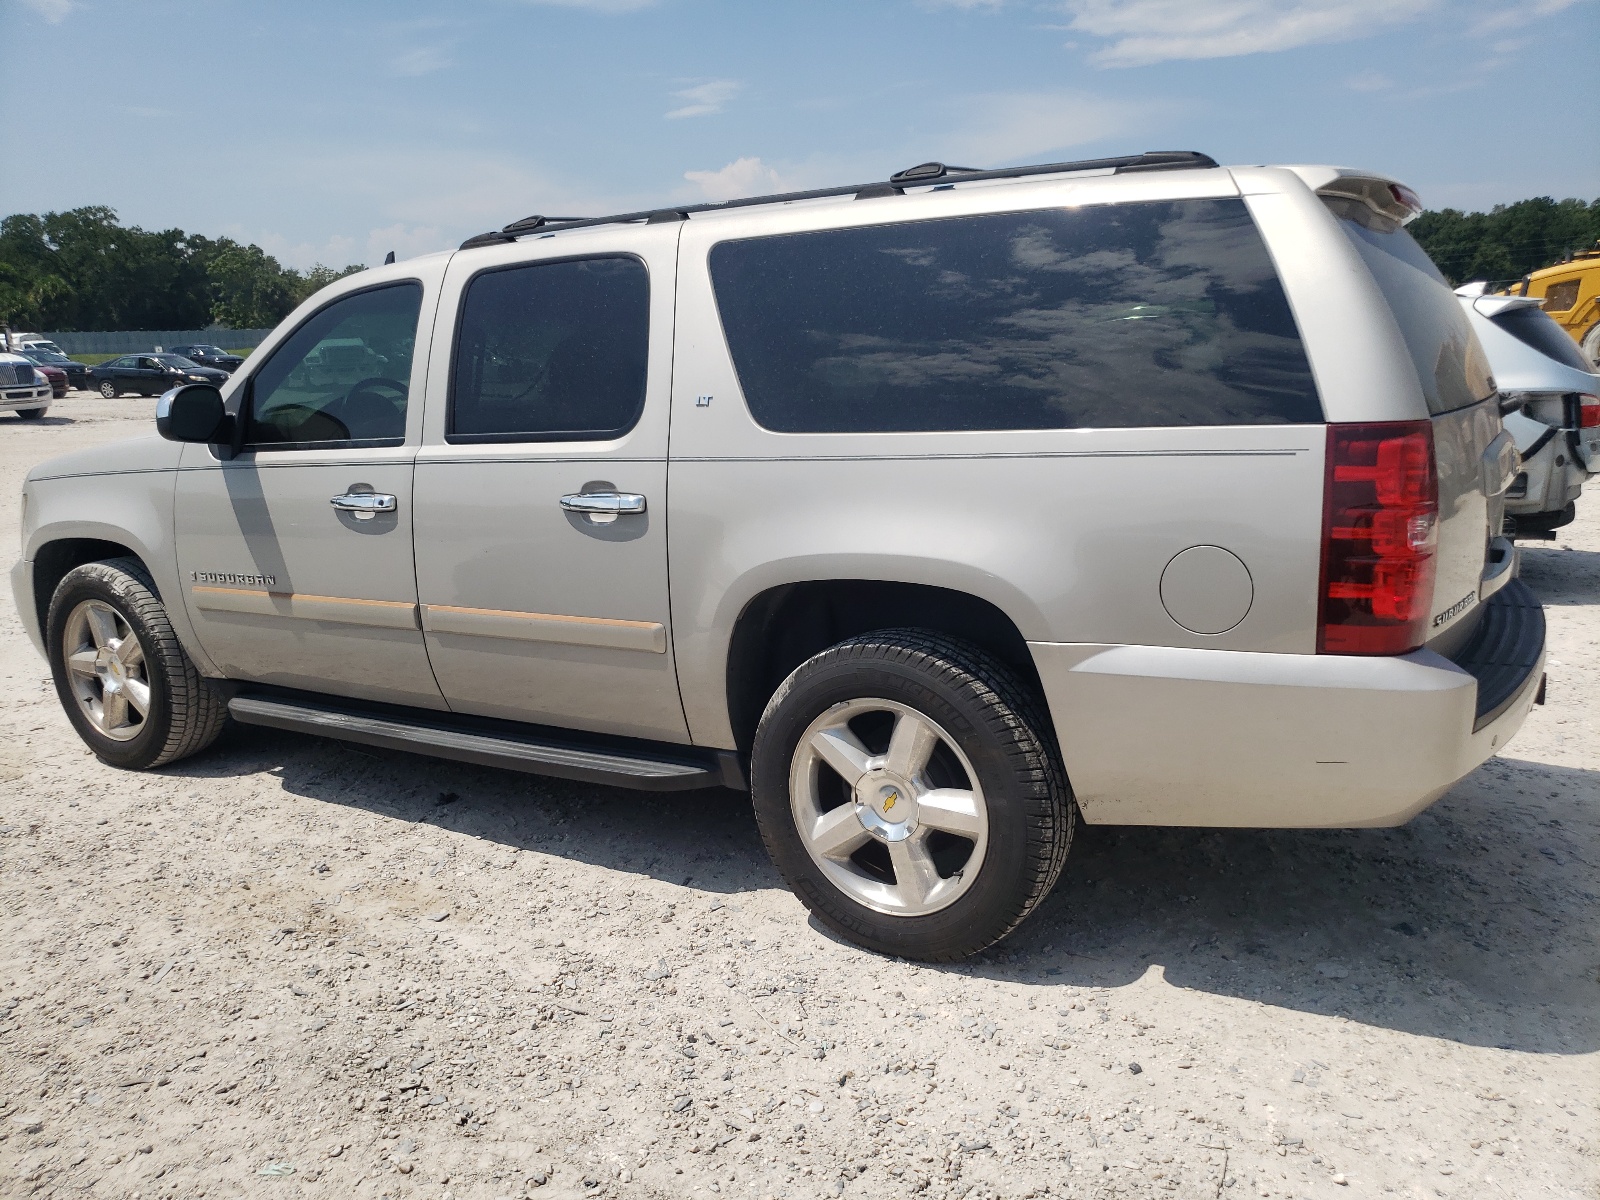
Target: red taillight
(1588, 411)
(1380, 532)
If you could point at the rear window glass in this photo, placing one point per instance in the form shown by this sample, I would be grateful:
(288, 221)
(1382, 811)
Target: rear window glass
(1149, 314)
(1533, 327)
(1451, 365)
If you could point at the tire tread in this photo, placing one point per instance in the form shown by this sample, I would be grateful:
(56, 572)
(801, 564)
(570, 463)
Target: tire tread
(1015, 716)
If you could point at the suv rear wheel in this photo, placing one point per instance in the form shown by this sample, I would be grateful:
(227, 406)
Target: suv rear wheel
(909, 792)
(127, 686)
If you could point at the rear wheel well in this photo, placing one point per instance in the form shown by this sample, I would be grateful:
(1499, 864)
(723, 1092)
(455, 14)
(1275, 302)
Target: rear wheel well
(784, 626)
(55, 559)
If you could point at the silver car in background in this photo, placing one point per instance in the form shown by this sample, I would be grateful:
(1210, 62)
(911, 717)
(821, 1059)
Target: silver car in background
(1552, 407)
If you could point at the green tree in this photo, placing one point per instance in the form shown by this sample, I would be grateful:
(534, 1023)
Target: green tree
(82, 269)
(1509, 240)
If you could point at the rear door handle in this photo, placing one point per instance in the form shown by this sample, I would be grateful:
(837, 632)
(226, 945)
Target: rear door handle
(364, 505)
(604, 507)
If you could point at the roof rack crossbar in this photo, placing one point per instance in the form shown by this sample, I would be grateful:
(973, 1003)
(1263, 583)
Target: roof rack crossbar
(922, 175)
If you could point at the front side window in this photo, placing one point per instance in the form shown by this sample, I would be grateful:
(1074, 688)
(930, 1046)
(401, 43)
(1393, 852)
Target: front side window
(1146, 314)
(343, 376)
(551, 351)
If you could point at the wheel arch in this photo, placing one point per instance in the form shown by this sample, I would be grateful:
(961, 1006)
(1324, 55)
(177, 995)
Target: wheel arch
(782, 626)
(54, 559)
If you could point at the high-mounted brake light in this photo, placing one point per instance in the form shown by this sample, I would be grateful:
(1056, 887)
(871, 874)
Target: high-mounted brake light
(1405, 197)
(1588, 411)
(1380, 535)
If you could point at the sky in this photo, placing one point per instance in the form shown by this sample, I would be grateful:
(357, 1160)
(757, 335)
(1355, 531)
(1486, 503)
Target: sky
(334, 131)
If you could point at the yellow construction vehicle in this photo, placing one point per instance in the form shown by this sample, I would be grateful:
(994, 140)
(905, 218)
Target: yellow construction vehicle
(1571, 294)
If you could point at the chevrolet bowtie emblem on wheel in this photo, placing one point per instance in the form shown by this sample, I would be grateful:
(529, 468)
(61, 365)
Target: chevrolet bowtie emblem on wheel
(889, 800)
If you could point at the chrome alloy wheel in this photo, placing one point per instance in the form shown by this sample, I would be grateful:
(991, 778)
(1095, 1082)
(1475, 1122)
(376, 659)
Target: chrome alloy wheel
(902, 829)
(106, 668)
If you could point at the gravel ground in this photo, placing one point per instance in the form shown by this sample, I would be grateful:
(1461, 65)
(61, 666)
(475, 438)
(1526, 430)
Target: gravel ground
(290, 967)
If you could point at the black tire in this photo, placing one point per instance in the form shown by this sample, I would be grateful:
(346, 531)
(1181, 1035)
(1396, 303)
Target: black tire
(186, 711)
(31, 414)
(1000, 726)
(109, 389)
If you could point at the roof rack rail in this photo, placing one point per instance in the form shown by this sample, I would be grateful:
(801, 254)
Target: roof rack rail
(922, 175)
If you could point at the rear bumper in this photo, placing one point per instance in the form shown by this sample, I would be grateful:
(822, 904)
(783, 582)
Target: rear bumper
(1168, 736)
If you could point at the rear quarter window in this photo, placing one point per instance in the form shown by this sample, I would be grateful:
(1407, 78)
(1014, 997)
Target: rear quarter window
(1450, 364)
(1146, 314)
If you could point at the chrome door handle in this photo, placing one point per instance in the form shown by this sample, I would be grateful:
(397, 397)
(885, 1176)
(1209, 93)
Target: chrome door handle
(604, 507)
(364, 505)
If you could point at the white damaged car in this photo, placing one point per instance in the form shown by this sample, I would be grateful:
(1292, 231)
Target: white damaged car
(1551, 403)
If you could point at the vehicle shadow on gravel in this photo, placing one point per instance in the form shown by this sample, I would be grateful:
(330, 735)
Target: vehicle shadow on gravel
(705, 839)
(1472, 923)
(1560, 577)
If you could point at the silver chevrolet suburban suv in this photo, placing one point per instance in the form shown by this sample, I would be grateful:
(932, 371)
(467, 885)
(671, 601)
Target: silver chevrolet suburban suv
(941, 513)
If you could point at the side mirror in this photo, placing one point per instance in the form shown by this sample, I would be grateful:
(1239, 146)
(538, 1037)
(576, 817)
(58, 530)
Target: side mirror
(193, 413)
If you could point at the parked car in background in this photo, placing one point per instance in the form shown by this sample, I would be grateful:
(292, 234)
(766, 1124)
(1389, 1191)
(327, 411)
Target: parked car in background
(56, 376)
(150, 374)
(21, 342)
(208, 356)
(1551, 401)
(77, 373)
(1570, 293)
(23, 390)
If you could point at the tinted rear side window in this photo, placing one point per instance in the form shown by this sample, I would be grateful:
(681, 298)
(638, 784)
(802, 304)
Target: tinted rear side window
(1533, 327)
(1150, 314)
(1451, 365)
(552, 352)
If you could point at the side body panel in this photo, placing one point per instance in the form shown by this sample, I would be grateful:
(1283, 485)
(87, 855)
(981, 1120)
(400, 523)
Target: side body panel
(281, 587)
(122, 493)
(1067, 531)
(533, 613)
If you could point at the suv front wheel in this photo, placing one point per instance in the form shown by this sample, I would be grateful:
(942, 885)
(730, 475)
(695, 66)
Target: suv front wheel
(908, 790)
(127, 686)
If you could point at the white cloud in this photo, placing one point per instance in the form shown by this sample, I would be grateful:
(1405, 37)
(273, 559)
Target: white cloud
(336, 251)
(741, 177)
(424, 60)
(407, 241)
(704, 99)
(1516, 16)
(54, 11)
(1151, 31)
(1004, 127)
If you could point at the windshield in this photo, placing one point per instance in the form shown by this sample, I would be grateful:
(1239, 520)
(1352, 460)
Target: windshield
(47, 356)
(209, 351)
(1533, 327)
(174, 360)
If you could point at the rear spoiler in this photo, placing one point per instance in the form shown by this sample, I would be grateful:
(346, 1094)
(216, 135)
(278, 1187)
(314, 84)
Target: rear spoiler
(1386, 197)
(1493, 306)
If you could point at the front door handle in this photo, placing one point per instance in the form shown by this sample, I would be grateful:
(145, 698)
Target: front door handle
(604, 507)
(364, 505)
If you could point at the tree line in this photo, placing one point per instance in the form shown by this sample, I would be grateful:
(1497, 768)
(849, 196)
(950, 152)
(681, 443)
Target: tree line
(83, 270)
(1510, 240)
